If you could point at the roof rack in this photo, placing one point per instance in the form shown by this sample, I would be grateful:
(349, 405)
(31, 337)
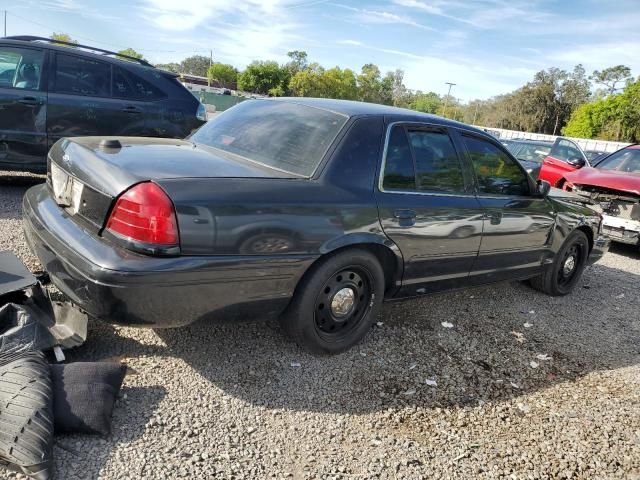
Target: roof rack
(30, 38)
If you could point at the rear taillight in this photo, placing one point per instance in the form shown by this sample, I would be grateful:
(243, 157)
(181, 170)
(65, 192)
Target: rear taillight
(144, 218)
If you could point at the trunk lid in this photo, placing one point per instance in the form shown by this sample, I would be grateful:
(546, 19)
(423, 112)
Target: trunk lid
(86, 174)
(113, 170)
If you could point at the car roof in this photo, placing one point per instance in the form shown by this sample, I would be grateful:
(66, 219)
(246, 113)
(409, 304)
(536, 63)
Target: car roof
(77, 51)
(353, 108)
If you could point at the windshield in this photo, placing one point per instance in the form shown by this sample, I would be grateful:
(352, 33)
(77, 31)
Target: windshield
(627, 160)
(282, 135)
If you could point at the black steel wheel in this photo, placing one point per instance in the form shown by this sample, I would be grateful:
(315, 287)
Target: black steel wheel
(561, 277)
(343, 302)
(336, 302)
(569, 264)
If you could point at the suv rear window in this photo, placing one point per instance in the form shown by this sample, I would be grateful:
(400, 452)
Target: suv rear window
(282, 135)
(130, 85)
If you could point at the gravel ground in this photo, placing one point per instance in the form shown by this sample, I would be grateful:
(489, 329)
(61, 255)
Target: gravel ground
(414, 400)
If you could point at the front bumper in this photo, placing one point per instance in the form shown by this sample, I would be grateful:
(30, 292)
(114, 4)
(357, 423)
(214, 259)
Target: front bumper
(621, 230)
(119, 286)
(600, 247)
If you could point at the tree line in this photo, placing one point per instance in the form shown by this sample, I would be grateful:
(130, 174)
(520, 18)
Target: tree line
(604, 105)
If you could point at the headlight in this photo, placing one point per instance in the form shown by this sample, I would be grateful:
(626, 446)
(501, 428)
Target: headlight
(201, 113)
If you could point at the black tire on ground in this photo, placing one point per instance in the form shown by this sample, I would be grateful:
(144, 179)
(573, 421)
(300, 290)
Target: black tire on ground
(336, 302)
(26, 416)
(562, 276)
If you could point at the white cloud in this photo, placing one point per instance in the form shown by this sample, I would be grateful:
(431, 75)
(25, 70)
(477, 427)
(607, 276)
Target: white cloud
(595, 56)
(355, 43)
(381, 17)
(474, 79)
(238, 32)
(484, 14)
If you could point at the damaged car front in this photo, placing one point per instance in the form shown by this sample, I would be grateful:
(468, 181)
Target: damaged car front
(613, 187)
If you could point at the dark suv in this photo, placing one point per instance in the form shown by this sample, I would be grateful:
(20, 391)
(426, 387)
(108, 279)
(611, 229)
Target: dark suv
(49, 91)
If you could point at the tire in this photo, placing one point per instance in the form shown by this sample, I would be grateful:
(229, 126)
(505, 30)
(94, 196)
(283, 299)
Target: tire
(336, 302)
(558, 281)
(26, 417)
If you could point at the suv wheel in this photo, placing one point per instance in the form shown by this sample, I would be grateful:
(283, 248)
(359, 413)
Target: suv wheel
(336, 302)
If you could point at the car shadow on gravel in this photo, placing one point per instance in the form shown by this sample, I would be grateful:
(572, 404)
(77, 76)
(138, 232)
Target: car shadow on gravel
(630, 251)
(507, 340)
(20, 181)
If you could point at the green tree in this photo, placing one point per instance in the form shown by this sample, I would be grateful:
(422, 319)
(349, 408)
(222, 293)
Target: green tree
(307, 82)
(339, 83)
(130, 52)
(581, 122)
(372, 87)
(261, 77)
(315, 81)
(62, 37)
(169, 67)
(195, 65)
(298, 62)
(222, 73)
(611, 77)
(615, 117)
(427, 103)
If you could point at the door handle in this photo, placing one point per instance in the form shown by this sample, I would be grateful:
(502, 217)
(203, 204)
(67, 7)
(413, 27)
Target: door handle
(406, 218)
(30, 101)
(131, 109)
(404, 214)
(494, 217)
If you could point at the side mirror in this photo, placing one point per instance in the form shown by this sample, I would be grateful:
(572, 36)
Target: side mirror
(543, 188)
(577, 162)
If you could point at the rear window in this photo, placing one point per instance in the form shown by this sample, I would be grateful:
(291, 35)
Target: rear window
(128, 85)
(282, 135)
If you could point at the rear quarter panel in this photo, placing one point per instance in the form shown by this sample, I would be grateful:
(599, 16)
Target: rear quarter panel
(308, 216)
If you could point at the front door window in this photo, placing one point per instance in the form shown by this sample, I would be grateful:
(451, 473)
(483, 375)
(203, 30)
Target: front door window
(21, 68)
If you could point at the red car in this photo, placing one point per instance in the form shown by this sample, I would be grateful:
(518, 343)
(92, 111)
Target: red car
(614, 185)
(565, 156)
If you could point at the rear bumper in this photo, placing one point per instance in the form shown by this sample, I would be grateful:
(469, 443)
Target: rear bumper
(600, 247)
(118, 286)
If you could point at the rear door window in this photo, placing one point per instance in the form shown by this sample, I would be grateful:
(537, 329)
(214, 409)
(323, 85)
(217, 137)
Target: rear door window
(82, 76)
(399, 171)
(21, 68)
(436, 161)
(422, 159)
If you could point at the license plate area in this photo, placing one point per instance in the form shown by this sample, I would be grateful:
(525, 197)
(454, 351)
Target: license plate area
(67, 191)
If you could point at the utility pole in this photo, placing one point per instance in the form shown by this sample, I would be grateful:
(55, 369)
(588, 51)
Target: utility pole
(455, 110)
(210, 63)
(476, 113)
(5, 23)
(446, 100)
